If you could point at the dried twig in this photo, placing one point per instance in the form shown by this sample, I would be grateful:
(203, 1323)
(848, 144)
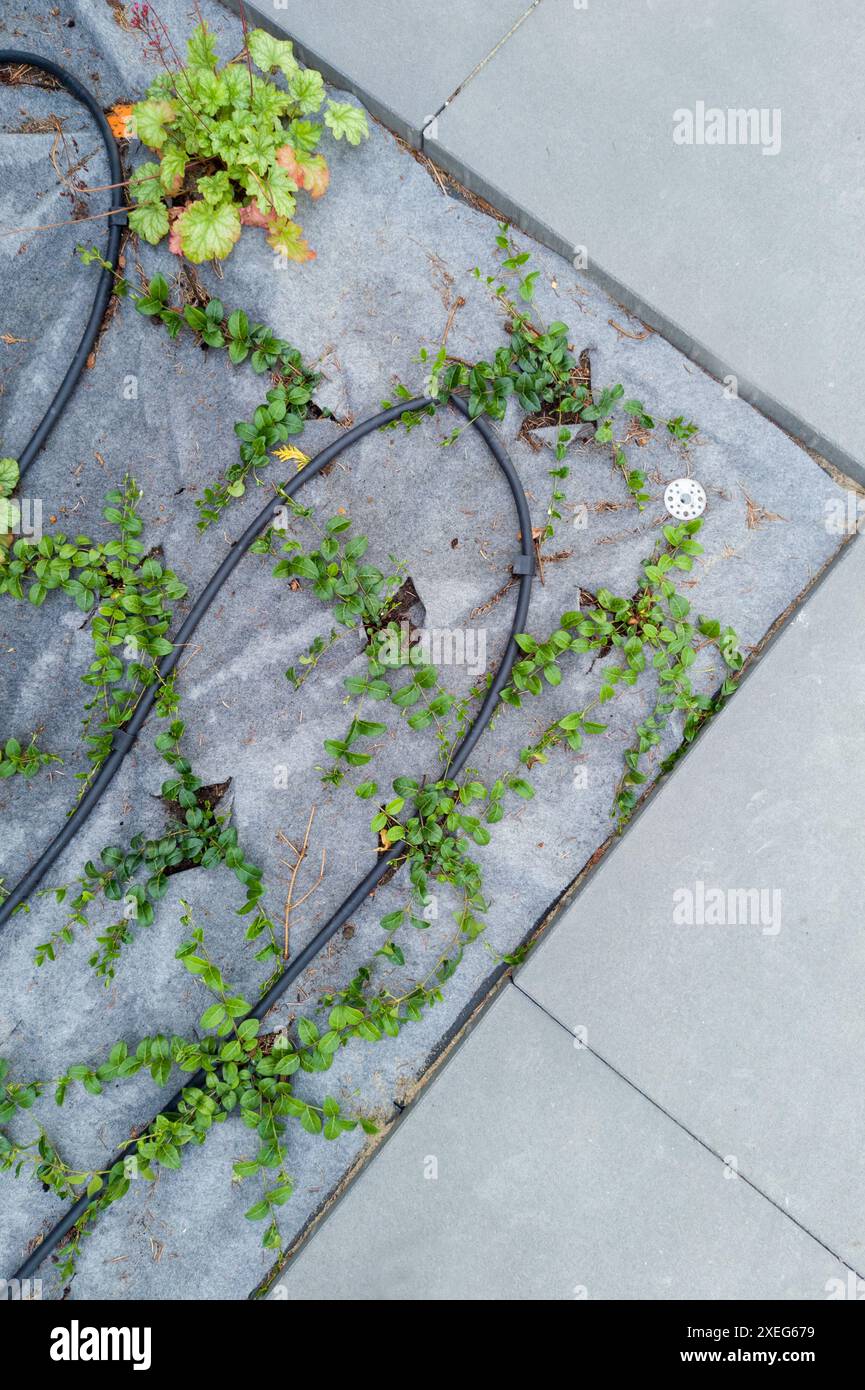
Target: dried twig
(491, 602)
(70, 222)
(637, 337)
(300, 855)
(455, 307)
(758, 515)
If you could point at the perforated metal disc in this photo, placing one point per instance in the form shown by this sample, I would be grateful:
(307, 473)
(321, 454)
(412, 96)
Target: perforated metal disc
(685, 499)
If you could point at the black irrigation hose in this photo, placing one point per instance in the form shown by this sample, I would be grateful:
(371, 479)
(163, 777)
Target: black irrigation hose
(125, 738)
(523, 569)
(106, 279)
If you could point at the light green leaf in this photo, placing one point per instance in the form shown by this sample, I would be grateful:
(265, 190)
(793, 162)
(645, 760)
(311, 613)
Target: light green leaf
(307, 88)
(342, 119)
(271, 54)
(204, 91)
(215, 188)
(276, 193)
(201, 47)
(257, 152)
(304, 135)
(8, 475)
(150, 221)
(172, 168)
(207, 231)
(145, 185)
(149, 119)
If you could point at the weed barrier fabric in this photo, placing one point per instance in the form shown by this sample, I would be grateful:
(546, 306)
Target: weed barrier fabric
(106, 279)
(124, 739)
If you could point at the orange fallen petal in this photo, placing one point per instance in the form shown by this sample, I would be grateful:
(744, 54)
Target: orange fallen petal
(118, 117)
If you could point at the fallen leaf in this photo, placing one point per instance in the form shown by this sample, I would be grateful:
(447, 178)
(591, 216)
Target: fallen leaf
(118, 117)
(287, 452)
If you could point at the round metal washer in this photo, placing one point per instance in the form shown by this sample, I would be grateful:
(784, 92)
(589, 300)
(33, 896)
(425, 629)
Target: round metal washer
(685, 499)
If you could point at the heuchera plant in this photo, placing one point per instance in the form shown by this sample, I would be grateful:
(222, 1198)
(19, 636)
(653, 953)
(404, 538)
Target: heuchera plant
(8, 509)
(234, 148)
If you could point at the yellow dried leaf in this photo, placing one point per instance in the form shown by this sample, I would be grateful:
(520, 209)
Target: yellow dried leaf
(287, 452)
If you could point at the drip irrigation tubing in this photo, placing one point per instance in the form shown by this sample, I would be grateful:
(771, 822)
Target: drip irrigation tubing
(105, 283)
(523, 568)
(124, 739)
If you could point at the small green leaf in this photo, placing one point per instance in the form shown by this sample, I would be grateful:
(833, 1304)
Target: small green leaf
(149, 119)
(9, 474)
(307, 88)
(150, 221)
(343, 119)
(206, 231)
(521, 787)
(272, 54)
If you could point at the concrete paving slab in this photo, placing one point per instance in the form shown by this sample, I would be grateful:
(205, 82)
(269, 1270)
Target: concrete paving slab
(403, 60)
(745, 255)
(752, 1033)
(531, 1171)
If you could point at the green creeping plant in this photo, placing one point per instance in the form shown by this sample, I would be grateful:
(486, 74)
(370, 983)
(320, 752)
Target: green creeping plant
(538, 369)
(137, 875)
(25, 761)
(433, 827)
(288, 402)
(129, 595)
(233, 148)
(654, 627)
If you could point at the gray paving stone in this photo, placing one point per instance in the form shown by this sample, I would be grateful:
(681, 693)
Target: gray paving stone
(748, 262)
(403, 60)
(531, 1171)
(754, 1037)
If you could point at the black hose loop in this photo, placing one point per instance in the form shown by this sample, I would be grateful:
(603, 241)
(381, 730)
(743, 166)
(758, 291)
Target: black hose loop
(124, 739)
(112, 254)
(524, 570)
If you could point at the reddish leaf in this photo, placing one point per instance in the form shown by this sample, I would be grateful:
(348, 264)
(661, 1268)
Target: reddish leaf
(251, 217)
(309, 171)
(173, 234)
(288, 159)
(286, 237)
(315, 174)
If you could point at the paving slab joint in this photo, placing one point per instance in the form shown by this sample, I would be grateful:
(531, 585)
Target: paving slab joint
(680, 1124)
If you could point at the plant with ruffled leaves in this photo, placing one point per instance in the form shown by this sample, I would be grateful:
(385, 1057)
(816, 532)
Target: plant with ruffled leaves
(234, 147)
(9, 510)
